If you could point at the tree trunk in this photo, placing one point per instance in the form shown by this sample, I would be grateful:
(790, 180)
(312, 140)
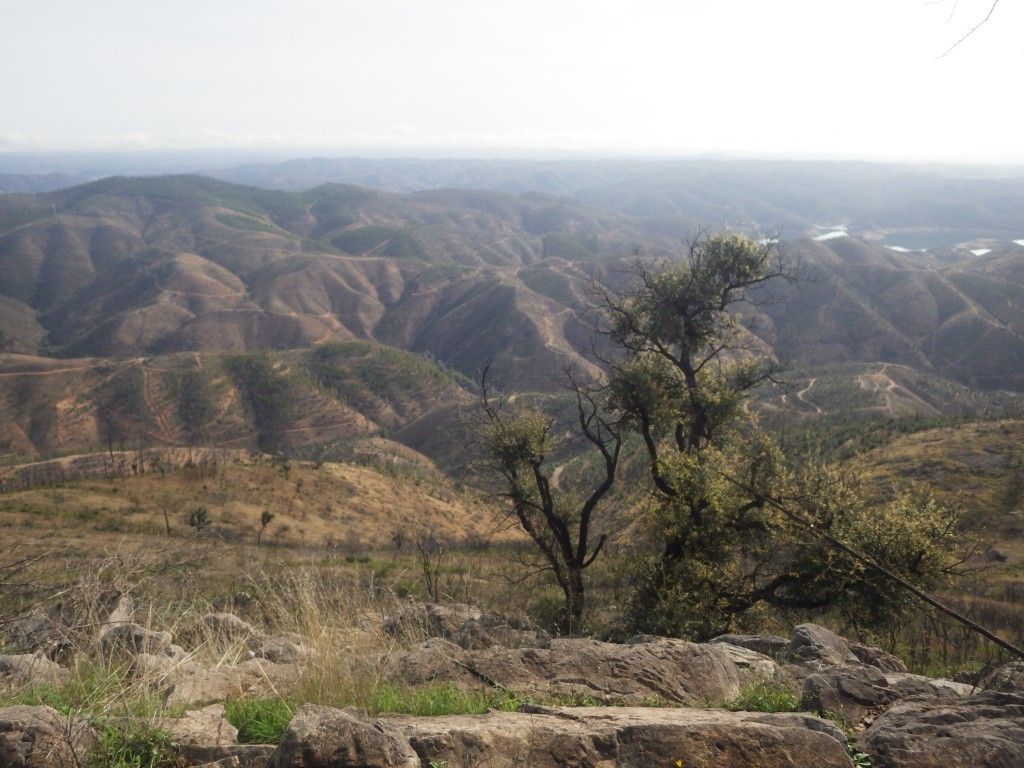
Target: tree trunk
(574, 599)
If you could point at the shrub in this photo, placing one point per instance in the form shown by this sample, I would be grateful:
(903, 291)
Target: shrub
(259, 721)
(135, 746)
(765, 697)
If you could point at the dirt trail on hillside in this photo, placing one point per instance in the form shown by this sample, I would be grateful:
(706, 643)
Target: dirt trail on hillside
(802, 392)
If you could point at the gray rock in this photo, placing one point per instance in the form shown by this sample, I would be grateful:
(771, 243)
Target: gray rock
(464, 625)
(820, 648)
(853, 691)
(204, 727)
(666, 669)
(985, 730)
(282, 649)
(1009, 678)
(129, 640)
(321, 737)
(228, 627)
(255, 677)
(41, 737)
(613, 737)
(246, 755)
(22, 669)
(769, 645)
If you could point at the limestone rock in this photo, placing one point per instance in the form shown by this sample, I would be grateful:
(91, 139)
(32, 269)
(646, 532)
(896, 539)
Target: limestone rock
(255, 677)
(228, 755)
(321, 737)
(129, 640)
(612, 737)
(41, 737)
(204, 727)
(983, 730)
(227, 626)
(769, 645)
(282, 649)
(853, 691)
(819, 648)
(22, 669)
(1008, 678)
(671, 670)
(464, 625)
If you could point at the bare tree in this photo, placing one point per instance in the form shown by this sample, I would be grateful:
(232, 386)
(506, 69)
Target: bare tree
(518, 443)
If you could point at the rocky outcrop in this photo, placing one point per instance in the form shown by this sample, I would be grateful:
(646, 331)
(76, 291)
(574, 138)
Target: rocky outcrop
(1009, 678)
(55, 628)
(21, 669)
(255, 677)
(984, 730)
(769, 645)
(815, 647)
(321, 737)
(231, 755)
(667, 670)
(41, 737)
(464, 625)
(227, 628)
(206, 727)
(604, 737)
(129, 640)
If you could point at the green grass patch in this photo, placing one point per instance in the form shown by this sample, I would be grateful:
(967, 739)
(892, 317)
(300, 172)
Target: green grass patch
(94, 689)
(765, 697)
(259, 721)
(439, 699)
(134, 746)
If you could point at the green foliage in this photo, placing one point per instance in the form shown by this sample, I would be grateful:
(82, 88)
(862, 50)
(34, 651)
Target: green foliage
(732, 527)
(195, 404)
(122, 406)
(94, 689)
(382, 241)
(199, 518)
(369, 375)
(267, 393)
(439, 699)
(259, 721)
(765, 696)
(248, 223)
(134, 745)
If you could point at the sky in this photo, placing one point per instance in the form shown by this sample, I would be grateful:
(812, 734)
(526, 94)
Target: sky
(834, 78)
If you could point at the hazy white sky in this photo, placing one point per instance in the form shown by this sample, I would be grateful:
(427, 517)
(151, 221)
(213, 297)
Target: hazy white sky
(839, 77)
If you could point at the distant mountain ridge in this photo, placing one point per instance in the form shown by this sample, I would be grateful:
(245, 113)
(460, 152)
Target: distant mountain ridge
(141, 266)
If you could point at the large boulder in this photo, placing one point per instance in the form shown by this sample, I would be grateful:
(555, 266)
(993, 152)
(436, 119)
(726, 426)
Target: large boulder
(1008, 678)
(321, 737)
(21, 669)
(599, 737)
(858, 692)
(612, 737)
(769, 645)
(55, 628)
(255, 677)
(985, 730)
(206, 727)
(815, 647)
(229, 755)
(663, 669)
(41, 737)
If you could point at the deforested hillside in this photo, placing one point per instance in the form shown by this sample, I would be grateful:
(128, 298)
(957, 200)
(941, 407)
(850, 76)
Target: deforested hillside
(128, 267)
(331, 400)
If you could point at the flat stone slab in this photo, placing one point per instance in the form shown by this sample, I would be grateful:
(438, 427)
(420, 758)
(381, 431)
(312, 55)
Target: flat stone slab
(625, 737)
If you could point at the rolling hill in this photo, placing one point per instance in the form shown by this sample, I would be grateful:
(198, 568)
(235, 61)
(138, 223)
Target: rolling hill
(118, 295)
